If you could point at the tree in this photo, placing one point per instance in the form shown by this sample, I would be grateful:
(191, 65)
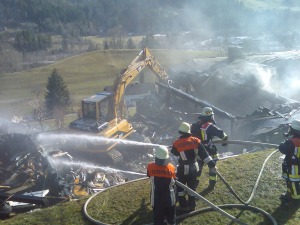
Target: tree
(149, 42)
(26, 40)
(39, 108)
(57, 97)
(130, 44)
(116, 37)
(105, 45)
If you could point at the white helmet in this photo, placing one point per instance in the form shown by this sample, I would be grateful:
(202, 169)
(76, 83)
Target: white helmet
(296, 125)
(207, 111)
(185, 127)
(162, 152)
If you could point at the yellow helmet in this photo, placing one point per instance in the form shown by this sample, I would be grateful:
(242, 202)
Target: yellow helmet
(185, 127)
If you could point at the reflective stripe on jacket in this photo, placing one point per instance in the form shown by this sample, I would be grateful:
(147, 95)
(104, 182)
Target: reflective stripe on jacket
(162, 184)
(292, 161)
(189, 149)
(203, 134)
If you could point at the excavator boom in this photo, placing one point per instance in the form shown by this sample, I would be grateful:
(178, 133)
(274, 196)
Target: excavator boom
(103, 112)
(143, 59)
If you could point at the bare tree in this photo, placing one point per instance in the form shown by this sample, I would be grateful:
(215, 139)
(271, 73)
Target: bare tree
(117, 40)
(10, 59)
(59, 115)
(39, 111)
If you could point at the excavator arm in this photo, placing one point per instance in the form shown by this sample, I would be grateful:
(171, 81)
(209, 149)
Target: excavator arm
(143, 59)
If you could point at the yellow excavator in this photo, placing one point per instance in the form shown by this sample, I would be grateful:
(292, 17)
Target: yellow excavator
(103, 113)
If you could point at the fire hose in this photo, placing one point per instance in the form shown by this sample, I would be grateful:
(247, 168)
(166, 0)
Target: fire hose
(219, 208)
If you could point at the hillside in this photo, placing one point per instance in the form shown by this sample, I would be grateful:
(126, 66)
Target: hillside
(129, 203)
(75, 17)
(34, 32)
(83, 74)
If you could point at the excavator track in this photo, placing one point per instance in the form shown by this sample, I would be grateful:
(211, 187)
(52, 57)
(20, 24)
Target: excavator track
(115, 155)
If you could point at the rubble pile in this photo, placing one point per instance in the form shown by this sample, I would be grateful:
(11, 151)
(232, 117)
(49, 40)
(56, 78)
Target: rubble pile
(26, 166)
(243, 108)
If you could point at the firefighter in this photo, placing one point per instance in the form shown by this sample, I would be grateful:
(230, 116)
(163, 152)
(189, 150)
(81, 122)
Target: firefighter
(162, 179)
(205, 129)
(291, 163)
(188, 148)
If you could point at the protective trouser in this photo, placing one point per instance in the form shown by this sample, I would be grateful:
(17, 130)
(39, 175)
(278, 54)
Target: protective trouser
(212, 151)
(212, 175)
(160, 212)
(190, 180)
(293, 188)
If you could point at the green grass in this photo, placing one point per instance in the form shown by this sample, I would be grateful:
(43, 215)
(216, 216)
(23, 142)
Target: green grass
(129, 204)
(83, 74)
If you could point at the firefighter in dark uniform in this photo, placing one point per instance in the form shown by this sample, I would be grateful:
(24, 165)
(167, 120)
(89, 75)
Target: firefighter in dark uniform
(291, 163)
(205, 129)
(162, 179)
(188, 149)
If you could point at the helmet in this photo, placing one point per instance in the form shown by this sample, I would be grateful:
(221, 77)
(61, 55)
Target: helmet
(185, 127)
(207, 111)
(296, 125)
(162, 152)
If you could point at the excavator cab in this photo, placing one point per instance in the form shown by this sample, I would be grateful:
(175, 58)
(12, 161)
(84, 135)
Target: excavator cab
(95, 113)
(96, 107)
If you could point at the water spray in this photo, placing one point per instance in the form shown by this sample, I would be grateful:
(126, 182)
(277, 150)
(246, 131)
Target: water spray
(88, 165)
(44, 138)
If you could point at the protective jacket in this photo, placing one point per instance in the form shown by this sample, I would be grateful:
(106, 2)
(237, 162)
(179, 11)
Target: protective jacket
(163, 196)
(162, 183)
(189, 148)
(291, 162)
(205, 132)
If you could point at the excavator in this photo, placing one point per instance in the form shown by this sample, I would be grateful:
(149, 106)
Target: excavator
(103, 114)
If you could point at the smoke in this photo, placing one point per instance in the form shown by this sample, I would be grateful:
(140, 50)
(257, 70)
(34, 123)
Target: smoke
(279, 77)
(263, 75)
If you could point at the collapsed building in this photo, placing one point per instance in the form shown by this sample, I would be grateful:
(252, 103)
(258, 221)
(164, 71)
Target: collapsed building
(33, 174)
(245, 94)
(245, 108)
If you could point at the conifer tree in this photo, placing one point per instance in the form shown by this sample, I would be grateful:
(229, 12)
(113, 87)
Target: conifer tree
(57, 97)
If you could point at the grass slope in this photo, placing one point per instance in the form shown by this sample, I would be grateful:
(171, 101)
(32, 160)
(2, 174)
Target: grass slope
(84, 75)
(129, 204)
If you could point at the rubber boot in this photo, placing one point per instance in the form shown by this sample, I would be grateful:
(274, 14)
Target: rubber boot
(183, 205)
(211, 186)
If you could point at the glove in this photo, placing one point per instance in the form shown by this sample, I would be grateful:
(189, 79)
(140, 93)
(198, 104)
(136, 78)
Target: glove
(225, 139)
